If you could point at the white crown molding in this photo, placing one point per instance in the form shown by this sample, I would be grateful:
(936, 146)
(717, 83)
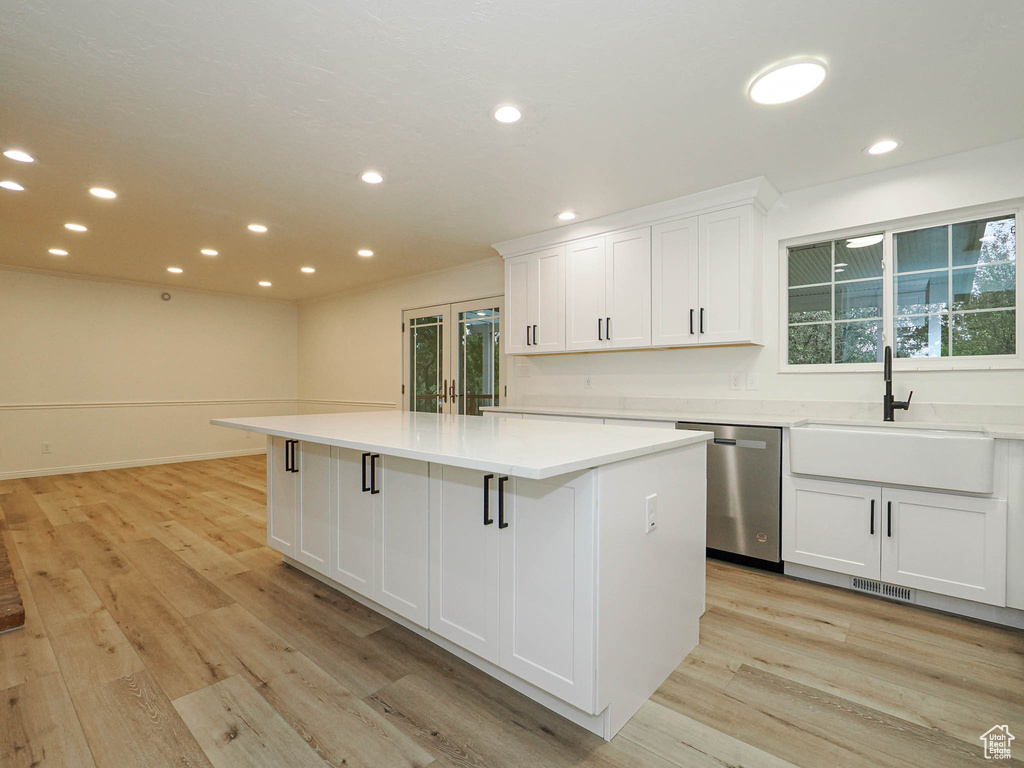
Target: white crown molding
(758, 191)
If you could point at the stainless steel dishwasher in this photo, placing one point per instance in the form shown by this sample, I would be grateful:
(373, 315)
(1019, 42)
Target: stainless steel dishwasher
(744, 493)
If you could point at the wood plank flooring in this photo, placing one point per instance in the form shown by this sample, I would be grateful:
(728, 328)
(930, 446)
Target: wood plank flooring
(160, 631)
(12, 610)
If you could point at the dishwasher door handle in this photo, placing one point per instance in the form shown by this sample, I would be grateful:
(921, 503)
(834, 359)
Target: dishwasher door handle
(758, 444)
(724, 441)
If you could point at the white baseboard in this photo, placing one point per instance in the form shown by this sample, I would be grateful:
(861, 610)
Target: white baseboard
(16, 474)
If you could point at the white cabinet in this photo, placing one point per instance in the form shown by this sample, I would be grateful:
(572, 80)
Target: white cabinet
(953, 545)
(944, 543)
(464, 561)
(546, 586)
(282, 495)
(312, 535)
(586, 294)
(706, 274)
(535, 302)
(628, 302)
(835, 526)
(402, 544)
(352, 528)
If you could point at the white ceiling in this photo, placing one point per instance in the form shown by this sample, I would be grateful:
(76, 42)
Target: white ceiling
(205, 116)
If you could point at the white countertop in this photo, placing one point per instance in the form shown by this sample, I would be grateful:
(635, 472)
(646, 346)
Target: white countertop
(998, 431)
(531, 449)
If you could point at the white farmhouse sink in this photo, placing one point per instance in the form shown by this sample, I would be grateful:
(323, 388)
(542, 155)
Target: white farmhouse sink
(927, 458)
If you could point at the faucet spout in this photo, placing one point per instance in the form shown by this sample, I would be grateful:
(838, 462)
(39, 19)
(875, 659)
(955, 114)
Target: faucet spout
(889, 403)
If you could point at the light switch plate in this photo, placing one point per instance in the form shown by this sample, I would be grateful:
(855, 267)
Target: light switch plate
(736, 381)
(652, 512)
(753, 381)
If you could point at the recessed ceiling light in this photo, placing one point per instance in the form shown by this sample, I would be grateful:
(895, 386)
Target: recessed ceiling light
(257, 228)
(12, 185)
(76, 227)
(882, 147)
(21, 157)
(787, 81)
(208, 252)
(365, 252)
(265, 283)
(175, 270)
(106, 194)
(567, 215)
(308, 270)
(864, 242)
(372, 177)
(58, 252)
(507, 113)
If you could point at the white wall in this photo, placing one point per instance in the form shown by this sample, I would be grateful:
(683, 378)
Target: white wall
(979, 177)
(350, 346)
(111, 375)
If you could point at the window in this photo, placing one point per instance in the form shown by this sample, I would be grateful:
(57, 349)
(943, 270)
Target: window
(952, 294)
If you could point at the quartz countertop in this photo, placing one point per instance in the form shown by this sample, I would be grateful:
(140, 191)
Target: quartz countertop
(530, 449)
(998, 431)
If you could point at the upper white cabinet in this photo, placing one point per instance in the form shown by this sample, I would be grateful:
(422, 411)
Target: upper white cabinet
(682, 280)
(535, 302)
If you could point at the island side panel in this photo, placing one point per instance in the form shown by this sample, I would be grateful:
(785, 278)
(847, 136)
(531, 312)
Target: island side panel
(650, 585)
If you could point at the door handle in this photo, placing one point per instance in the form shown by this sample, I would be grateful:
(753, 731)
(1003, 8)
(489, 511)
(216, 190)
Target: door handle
(702, 319)
(599, 329)
(691, 322)
(444, 392)
(295, 465)
(287, 455)
(527, 335)
(452, 393)
(487, 499)
(535, 339)
(373, 474)
(365, 486)
(872, 517)
(501, 502)
(608, 329)
(889, 521)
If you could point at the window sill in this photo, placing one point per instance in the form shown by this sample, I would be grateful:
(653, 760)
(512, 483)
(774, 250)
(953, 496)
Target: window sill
(917, 365)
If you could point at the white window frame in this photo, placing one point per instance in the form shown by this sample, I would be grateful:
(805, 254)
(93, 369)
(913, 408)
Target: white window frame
(890, 228)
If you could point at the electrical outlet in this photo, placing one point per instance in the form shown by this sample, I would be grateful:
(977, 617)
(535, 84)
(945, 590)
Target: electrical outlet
(753, 381)
(736, 381)
(46, 448)
(652, 512)
(588, 382)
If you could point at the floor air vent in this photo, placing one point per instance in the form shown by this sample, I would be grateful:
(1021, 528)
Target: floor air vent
(882, 589)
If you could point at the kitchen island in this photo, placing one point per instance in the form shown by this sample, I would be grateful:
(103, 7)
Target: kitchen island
(566, 560)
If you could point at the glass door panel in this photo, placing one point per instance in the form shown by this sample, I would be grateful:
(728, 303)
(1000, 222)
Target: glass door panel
(477, 346)
(426, 385)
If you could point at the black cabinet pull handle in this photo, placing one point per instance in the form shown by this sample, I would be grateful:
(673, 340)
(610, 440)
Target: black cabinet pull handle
(608, 329)
(872, 517)
(889, 523)
(535, 339)
(365, 486)
(599, 321)
(294, 467)
(527, 335)
(373, 473)
(691, 322)
(702, 319)
(487, 499)
(501, 502)
(287, 455)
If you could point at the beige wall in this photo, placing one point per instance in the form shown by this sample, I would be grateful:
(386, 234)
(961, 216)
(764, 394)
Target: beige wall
(109, 374)
(350, 347)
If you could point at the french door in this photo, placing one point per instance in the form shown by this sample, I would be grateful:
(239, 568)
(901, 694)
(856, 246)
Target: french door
(452, 357)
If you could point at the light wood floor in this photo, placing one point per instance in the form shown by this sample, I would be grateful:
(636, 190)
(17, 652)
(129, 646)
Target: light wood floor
(160, 631)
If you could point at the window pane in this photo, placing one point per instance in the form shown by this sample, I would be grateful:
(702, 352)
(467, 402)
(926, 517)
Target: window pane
(984, 241)
(864, 259)
(985, 333)
(855, 301)
(921, 336)
(985, 287)
(810, 264)
(922, 294)
(922, 249)
(808, 305)
(425, 357)
(859, 342)
(810, 344)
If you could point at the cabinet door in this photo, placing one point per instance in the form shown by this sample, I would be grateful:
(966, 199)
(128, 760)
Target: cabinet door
(282, 493)
(835, 526)
(402, 540)
(726, 276)
(629, 289)
(464, 561)
(953, 545)
(517, 302)
(547, 297)
(313, 460)
(674, 299)
(352, 545)
(547, 579)
(586, 294)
